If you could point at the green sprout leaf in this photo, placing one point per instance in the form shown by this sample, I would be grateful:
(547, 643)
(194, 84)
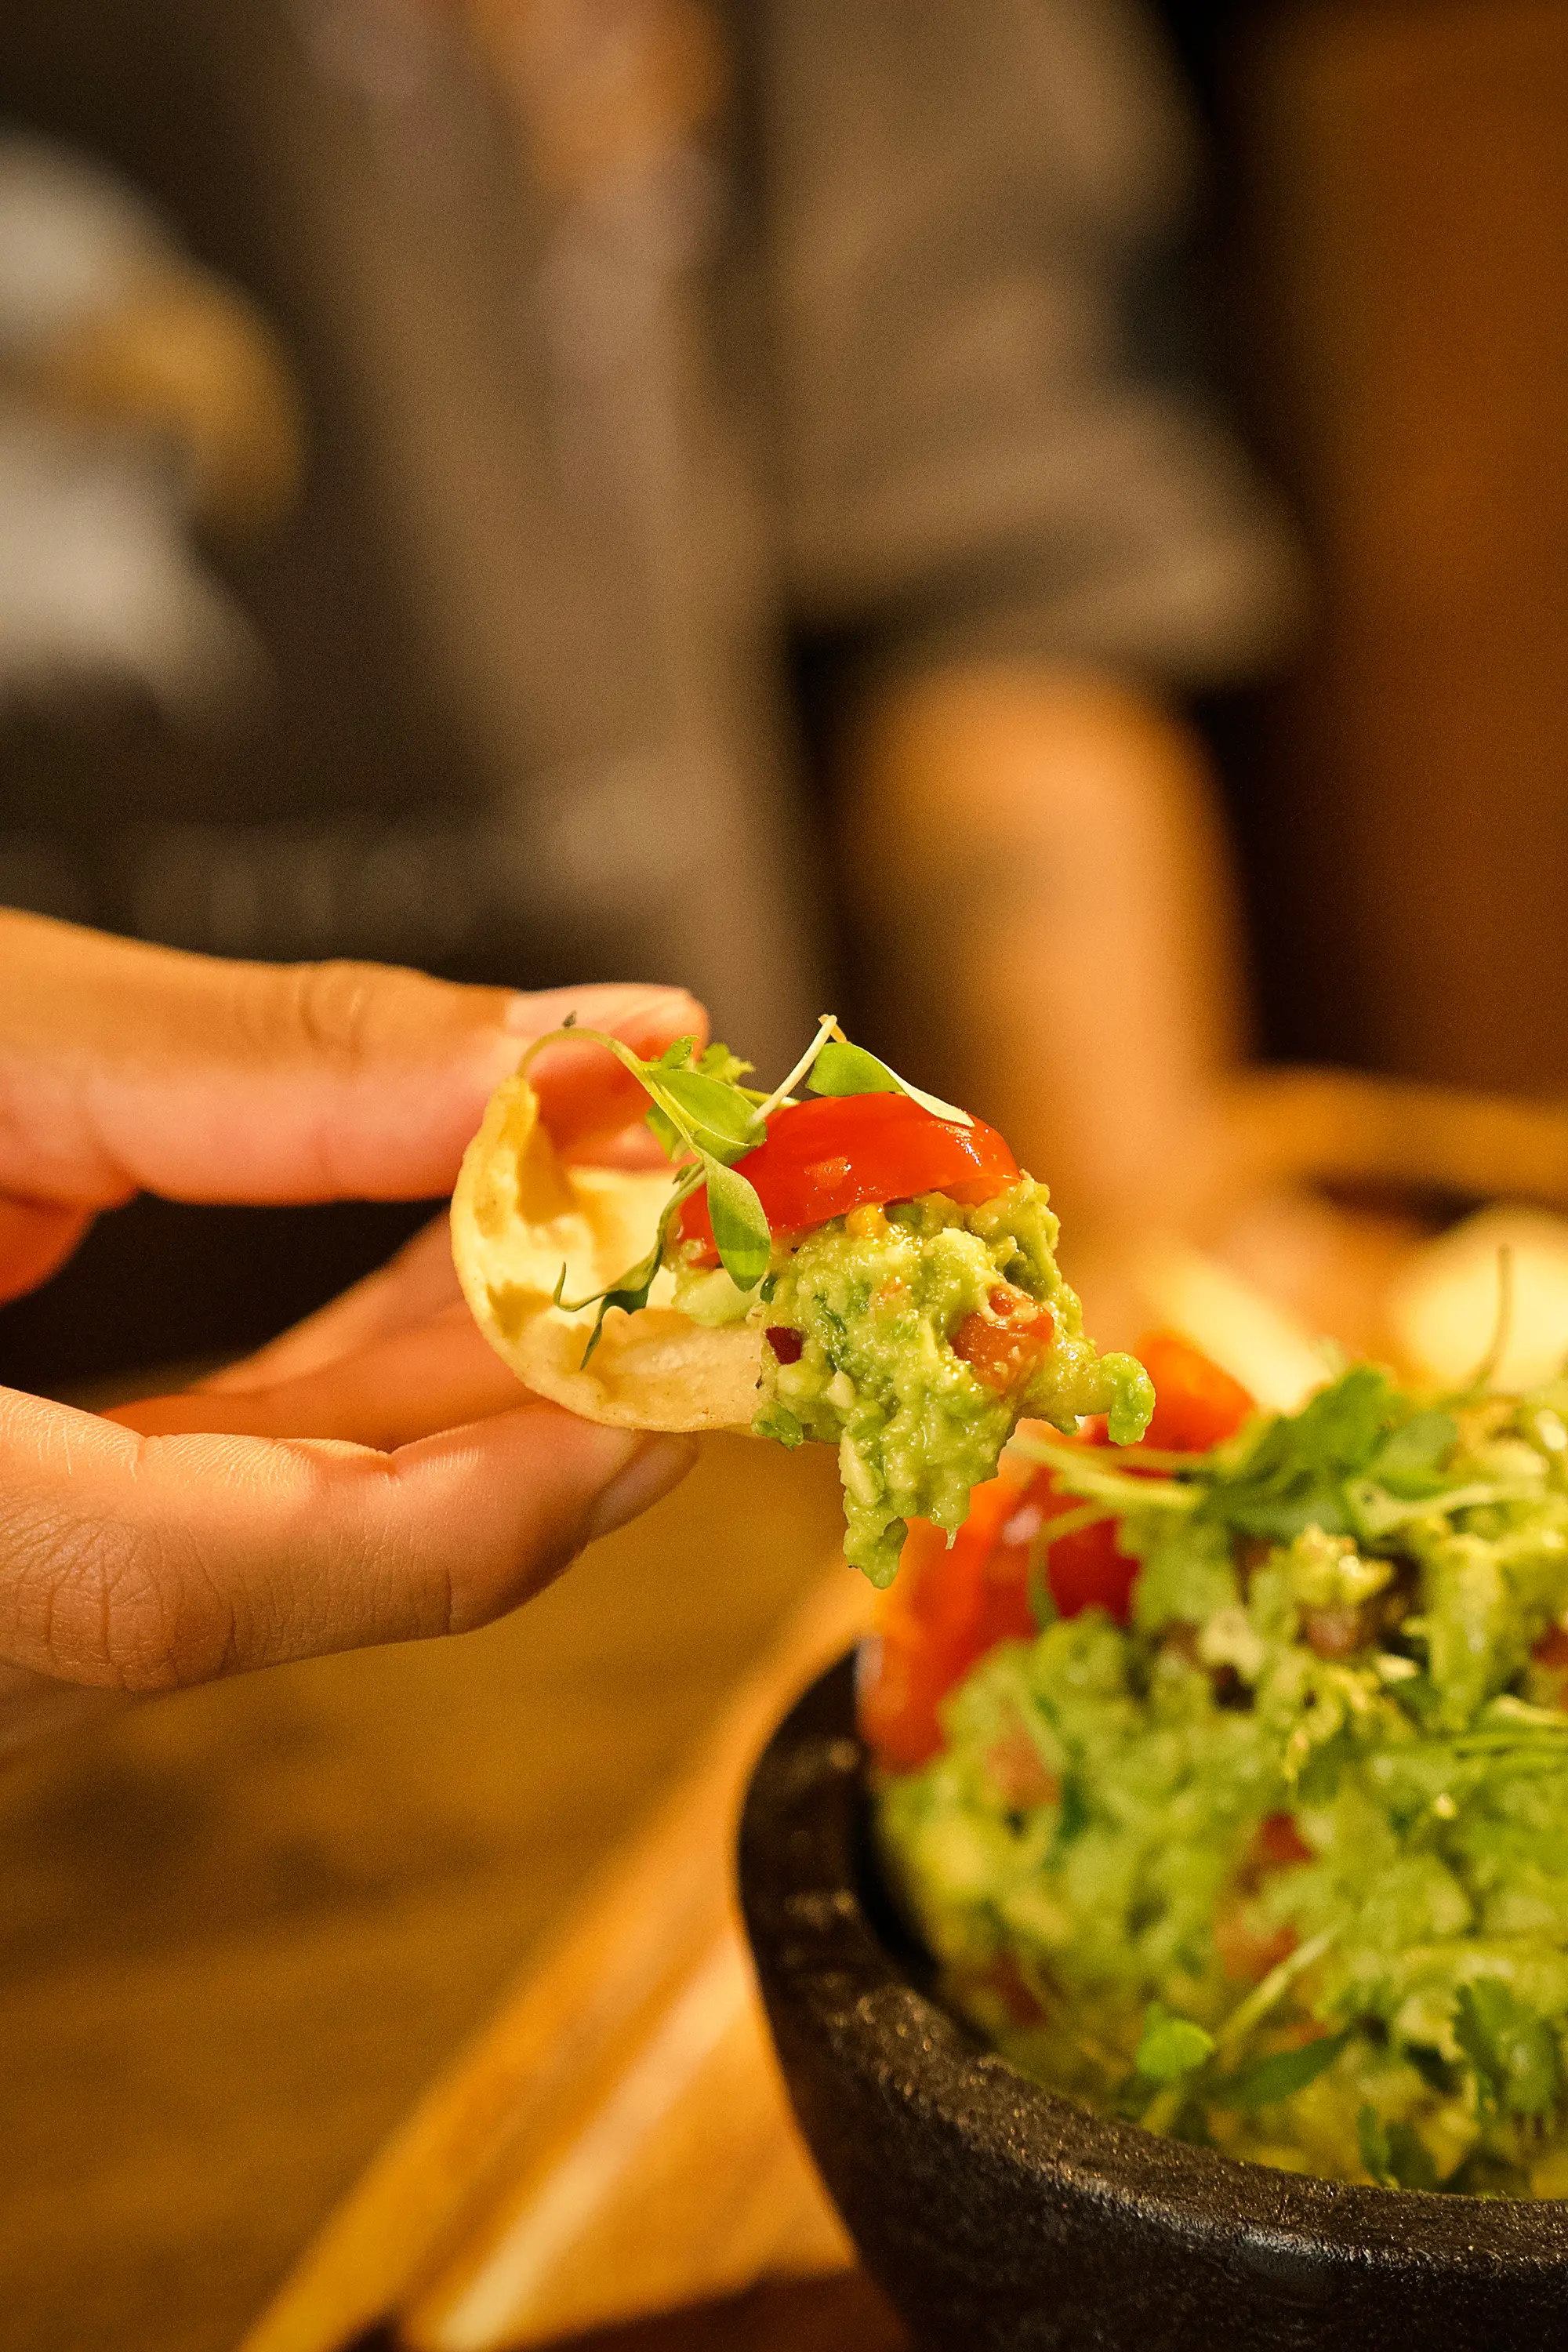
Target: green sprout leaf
(631, 1289)
(1170, 2046)
(739, 1224)
(698, 1103)
(1515, 2052)
(841, 1068)
(717, 1116)
(703, 1116)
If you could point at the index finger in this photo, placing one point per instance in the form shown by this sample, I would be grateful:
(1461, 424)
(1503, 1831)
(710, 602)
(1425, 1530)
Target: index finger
(125, 1067)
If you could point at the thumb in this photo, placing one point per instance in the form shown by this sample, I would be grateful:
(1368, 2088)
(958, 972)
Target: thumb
(145, 1563)
(125, 1067)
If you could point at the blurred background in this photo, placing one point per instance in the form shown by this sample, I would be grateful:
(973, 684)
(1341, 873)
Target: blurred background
(1041, 525)
(545, 488)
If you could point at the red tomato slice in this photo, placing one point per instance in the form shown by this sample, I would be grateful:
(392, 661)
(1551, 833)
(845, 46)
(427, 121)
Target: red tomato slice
(947, 1607)
(840, 1152)
(944, 1610)
(1086, 1569)
(1196, 1404)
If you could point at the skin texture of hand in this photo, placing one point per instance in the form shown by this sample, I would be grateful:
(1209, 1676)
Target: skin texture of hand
(375, 1475)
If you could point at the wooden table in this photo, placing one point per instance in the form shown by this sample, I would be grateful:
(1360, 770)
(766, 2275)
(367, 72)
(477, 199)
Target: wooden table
(243, 1928)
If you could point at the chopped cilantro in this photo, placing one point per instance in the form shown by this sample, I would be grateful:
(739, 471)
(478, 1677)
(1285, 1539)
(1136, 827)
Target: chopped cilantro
(1327, 1759)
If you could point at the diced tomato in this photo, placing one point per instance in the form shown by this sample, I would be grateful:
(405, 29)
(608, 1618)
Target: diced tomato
(1336, 1632)
(1087, 1570)
(839, 1152)
(1246, 1949)
(1278, 1845)
(1003, 1348)
(1551, 1650)
(945, 1609)
(949, 1607)
(1005, 1978)
(1196, 1404)
(1249, 1947)
(1550, 1660)
(787, 1345)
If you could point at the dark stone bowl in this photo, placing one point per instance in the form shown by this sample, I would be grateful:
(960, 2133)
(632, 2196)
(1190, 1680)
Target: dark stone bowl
(1000, 2219)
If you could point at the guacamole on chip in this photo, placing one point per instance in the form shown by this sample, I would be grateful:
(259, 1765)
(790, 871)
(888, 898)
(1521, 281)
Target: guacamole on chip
(868, 1268)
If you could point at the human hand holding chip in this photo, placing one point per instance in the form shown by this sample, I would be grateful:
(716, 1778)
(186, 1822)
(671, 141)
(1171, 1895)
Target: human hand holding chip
(376, 1475)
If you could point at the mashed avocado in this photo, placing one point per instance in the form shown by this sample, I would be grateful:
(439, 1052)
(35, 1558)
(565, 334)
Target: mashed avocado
(861, 1316)
(1282, 1866)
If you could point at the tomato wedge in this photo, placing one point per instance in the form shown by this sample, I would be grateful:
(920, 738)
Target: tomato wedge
(1196, 1404)
(840, 1152)
(943, 1612)
(949, 1607)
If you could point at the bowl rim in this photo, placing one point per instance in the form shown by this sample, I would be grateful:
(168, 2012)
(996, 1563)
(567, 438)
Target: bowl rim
(828, 1973)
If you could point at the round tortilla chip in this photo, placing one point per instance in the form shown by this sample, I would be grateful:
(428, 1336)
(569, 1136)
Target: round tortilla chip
(518, 1216)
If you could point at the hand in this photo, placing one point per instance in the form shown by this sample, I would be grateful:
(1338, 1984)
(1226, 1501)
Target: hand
(376, 1475)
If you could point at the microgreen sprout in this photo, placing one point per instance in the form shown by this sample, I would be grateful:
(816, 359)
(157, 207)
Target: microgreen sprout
(706, 1120)
(827, 1029)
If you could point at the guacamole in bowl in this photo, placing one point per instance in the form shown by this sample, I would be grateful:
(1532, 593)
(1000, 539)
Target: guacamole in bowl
(1266, 1848)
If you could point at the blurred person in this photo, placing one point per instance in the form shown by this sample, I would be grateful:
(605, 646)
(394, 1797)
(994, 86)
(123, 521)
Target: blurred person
(423, 1491)
(139, 395)
(679, 336)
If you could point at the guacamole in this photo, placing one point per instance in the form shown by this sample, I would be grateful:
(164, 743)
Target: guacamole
(1282, 1865)
(874, 1323)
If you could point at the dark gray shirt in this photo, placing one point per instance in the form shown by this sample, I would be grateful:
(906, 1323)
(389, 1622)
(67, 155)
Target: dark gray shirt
(843, 352)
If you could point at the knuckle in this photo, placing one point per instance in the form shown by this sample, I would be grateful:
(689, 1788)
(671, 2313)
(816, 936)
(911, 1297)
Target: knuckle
(330, 1008)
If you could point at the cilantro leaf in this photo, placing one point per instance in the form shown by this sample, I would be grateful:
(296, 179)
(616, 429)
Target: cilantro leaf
(777, 1422)
(841, 1068)
(1395, 2154)
(1279, 2075)
(1340, 1429)
(1170, 2046)
(1295, 1474)
(1515, 2052)
(1406, 1462)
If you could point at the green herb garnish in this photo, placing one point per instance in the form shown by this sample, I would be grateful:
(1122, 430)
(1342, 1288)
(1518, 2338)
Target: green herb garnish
(706, 1120)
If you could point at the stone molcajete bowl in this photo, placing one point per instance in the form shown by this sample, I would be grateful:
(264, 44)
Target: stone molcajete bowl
(1000, 2219)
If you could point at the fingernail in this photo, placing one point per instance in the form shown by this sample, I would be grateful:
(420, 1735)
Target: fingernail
(653, 1470)
(530, 1016)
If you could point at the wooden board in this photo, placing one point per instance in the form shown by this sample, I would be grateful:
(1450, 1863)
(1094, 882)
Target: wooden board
(618, 2144)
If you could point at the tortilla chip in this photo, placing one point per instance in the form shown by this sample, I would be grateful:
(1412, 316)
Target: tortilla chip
(518, 1216)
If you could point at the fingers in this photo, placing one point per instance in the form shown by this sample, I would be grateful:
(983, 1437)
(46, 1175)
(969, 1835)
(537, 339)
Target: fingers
(144, 1563)
(433, 1375)
(127, 1068)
